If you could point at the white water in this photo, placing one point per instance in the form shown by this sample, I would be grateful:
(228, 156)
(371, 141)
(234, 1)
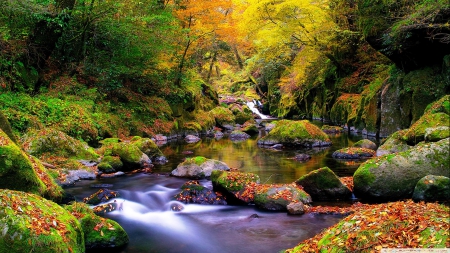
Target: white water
(252, 107)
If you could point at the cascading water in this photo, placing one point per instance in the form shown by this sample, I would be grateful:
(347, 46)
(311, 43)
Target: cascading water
(251, 105)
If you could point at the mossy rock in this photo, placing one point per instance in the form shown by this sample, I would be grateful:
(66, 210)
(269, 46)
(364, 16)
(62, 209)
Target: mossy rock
(101, 196)
(233, 181)
(238, 135)
(19, 171)
(223, 116)
(434, 134)
(193, 192)
(323, 184)
(6, 127)
(416, 133)
(250, 127)
(105, 168)
(277, 197)
(393, 144)
(365, 143)
(30, 223)
(147, 146)
(99, 233)
(130, 155)
(114, 162)
(353, 153)
(432, 188)
(394, 176)
(56, 143)
(295, 133)
(109, 141)
(198, 167)
(332, 129)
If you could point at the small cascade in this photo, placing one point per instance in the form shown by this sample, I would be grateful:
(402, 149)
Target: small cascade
(252, 105)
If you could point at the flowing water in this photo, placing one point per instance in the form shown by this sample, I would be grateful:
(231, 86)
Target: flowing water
(153, 227)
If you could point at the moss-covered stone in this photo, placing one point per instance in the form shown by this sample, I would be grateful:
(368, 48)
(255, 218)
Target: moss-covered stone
(108, 141)
(353, 153)
(30, 223)
(250, 127)
(432, 188)
(416, 133)
(193, 192)
(365, 143)
(238, 135)
(148, 147)
(394, 176)
(296, 133)
(198, 167)
(277, 197)
(323, 184)
(331, 129)
(114, 162)
(223, 116)
(437, 133)
(393, 144)
(130, 155)
(99, 233)
(101, 196)
(21, 172)
(56, 143)
(233, 181)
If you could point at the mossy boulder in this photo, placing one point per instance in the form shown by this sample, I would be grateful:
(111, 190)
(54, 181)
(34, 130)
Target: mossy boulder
(432, 188)
(393, 144)
(437, 114)
(19, 171)
(99, 233)
(101, 196)
(30, 223)
(365, 143)
(56, 143)
(433, 134)
(193, 192)
(238, 135)
(278, 197)
(198, 167)
(147, 146)
(223, 116)
(295, 133)
(110, 164)
(250, 127)
(238, 187)
(323, 184)
(6, 127)
(130, 155)
(394, 176)
(332, 129)
(353, 153)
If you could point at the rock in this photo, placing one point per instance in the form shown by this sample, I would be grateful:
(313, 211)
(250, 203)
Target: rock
(148, 147)
(436, 115)
(302, 157)
(160, 160)
(114, 163)
(434, 134)
(130, 155)
(237, 187)
(198, 167)
(295, 133)
(268, 127)
(277, 197)
(176, 207)
(21, 172)
(323, 184)
(393, 144)
(250, 127)
(192, 139)
(76, 175)
(101, 196)
(237, 135)
(101, 185)
(28, 220)
(394, 176)
(353, 153)
(365, 143)
(332, 129)
(228, 127)
(193, 192)
(56, 143)
(223, 116)
(105, 168)
(432, 188)
(296, 208)
(99, 233)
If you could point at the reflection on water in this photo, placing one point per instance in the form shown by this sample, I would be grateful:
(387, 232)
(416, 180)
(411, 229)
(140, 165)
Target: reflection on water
(153, 227)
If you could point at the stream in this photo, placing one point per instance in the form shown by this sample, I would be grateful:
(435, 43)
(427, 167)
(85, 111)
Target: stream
(153, 227)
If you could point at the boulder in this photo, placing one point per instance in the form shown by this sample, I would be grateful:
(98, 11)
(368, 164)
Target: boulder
(323, 184)
(99, 233)
(110, 164)
(22, 172)
(193, 192)
(223, 116)
(296, 208)
(365, 143)
(434, 134)
(269, 126)
(353, 153)
(130, 155)
(278, 197)
(332, 129)
(237, 187)
(101, 196)
(394, 176)
(191, 139)
(393, 144)
(250, 127)
(198, 167)
(28, 220)
(238, 135)
(432, 188)
(148, 147)
(295, 133)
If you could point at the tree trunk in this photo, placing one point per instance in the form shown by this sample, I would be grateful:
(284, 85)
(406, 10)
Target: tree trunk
(211, 65)
(238, 57)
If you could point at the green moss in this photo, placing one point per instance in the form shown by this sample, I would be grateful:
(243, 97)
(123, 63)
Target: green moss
(148, 147)
(98, 232)
(130, 155)
(6, 127)
(223, 115)
(108, 141)
(362, 175)
(345, 109)
(323, 178)
(233, 181)
(113, 161)
(416, 132)
(199, 160)
(33, 224)
(288, 131)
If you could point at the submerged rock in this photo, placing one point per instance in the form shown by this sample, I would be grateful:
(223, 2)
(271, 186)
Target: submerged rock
(238, 135)
(302, 157)
(353, 153)
(323, 184)
(198, 167)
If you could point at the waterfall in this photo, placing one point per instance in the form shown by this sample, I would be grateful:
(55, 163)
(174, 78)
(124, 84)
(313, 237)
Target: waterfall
(251, 105)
